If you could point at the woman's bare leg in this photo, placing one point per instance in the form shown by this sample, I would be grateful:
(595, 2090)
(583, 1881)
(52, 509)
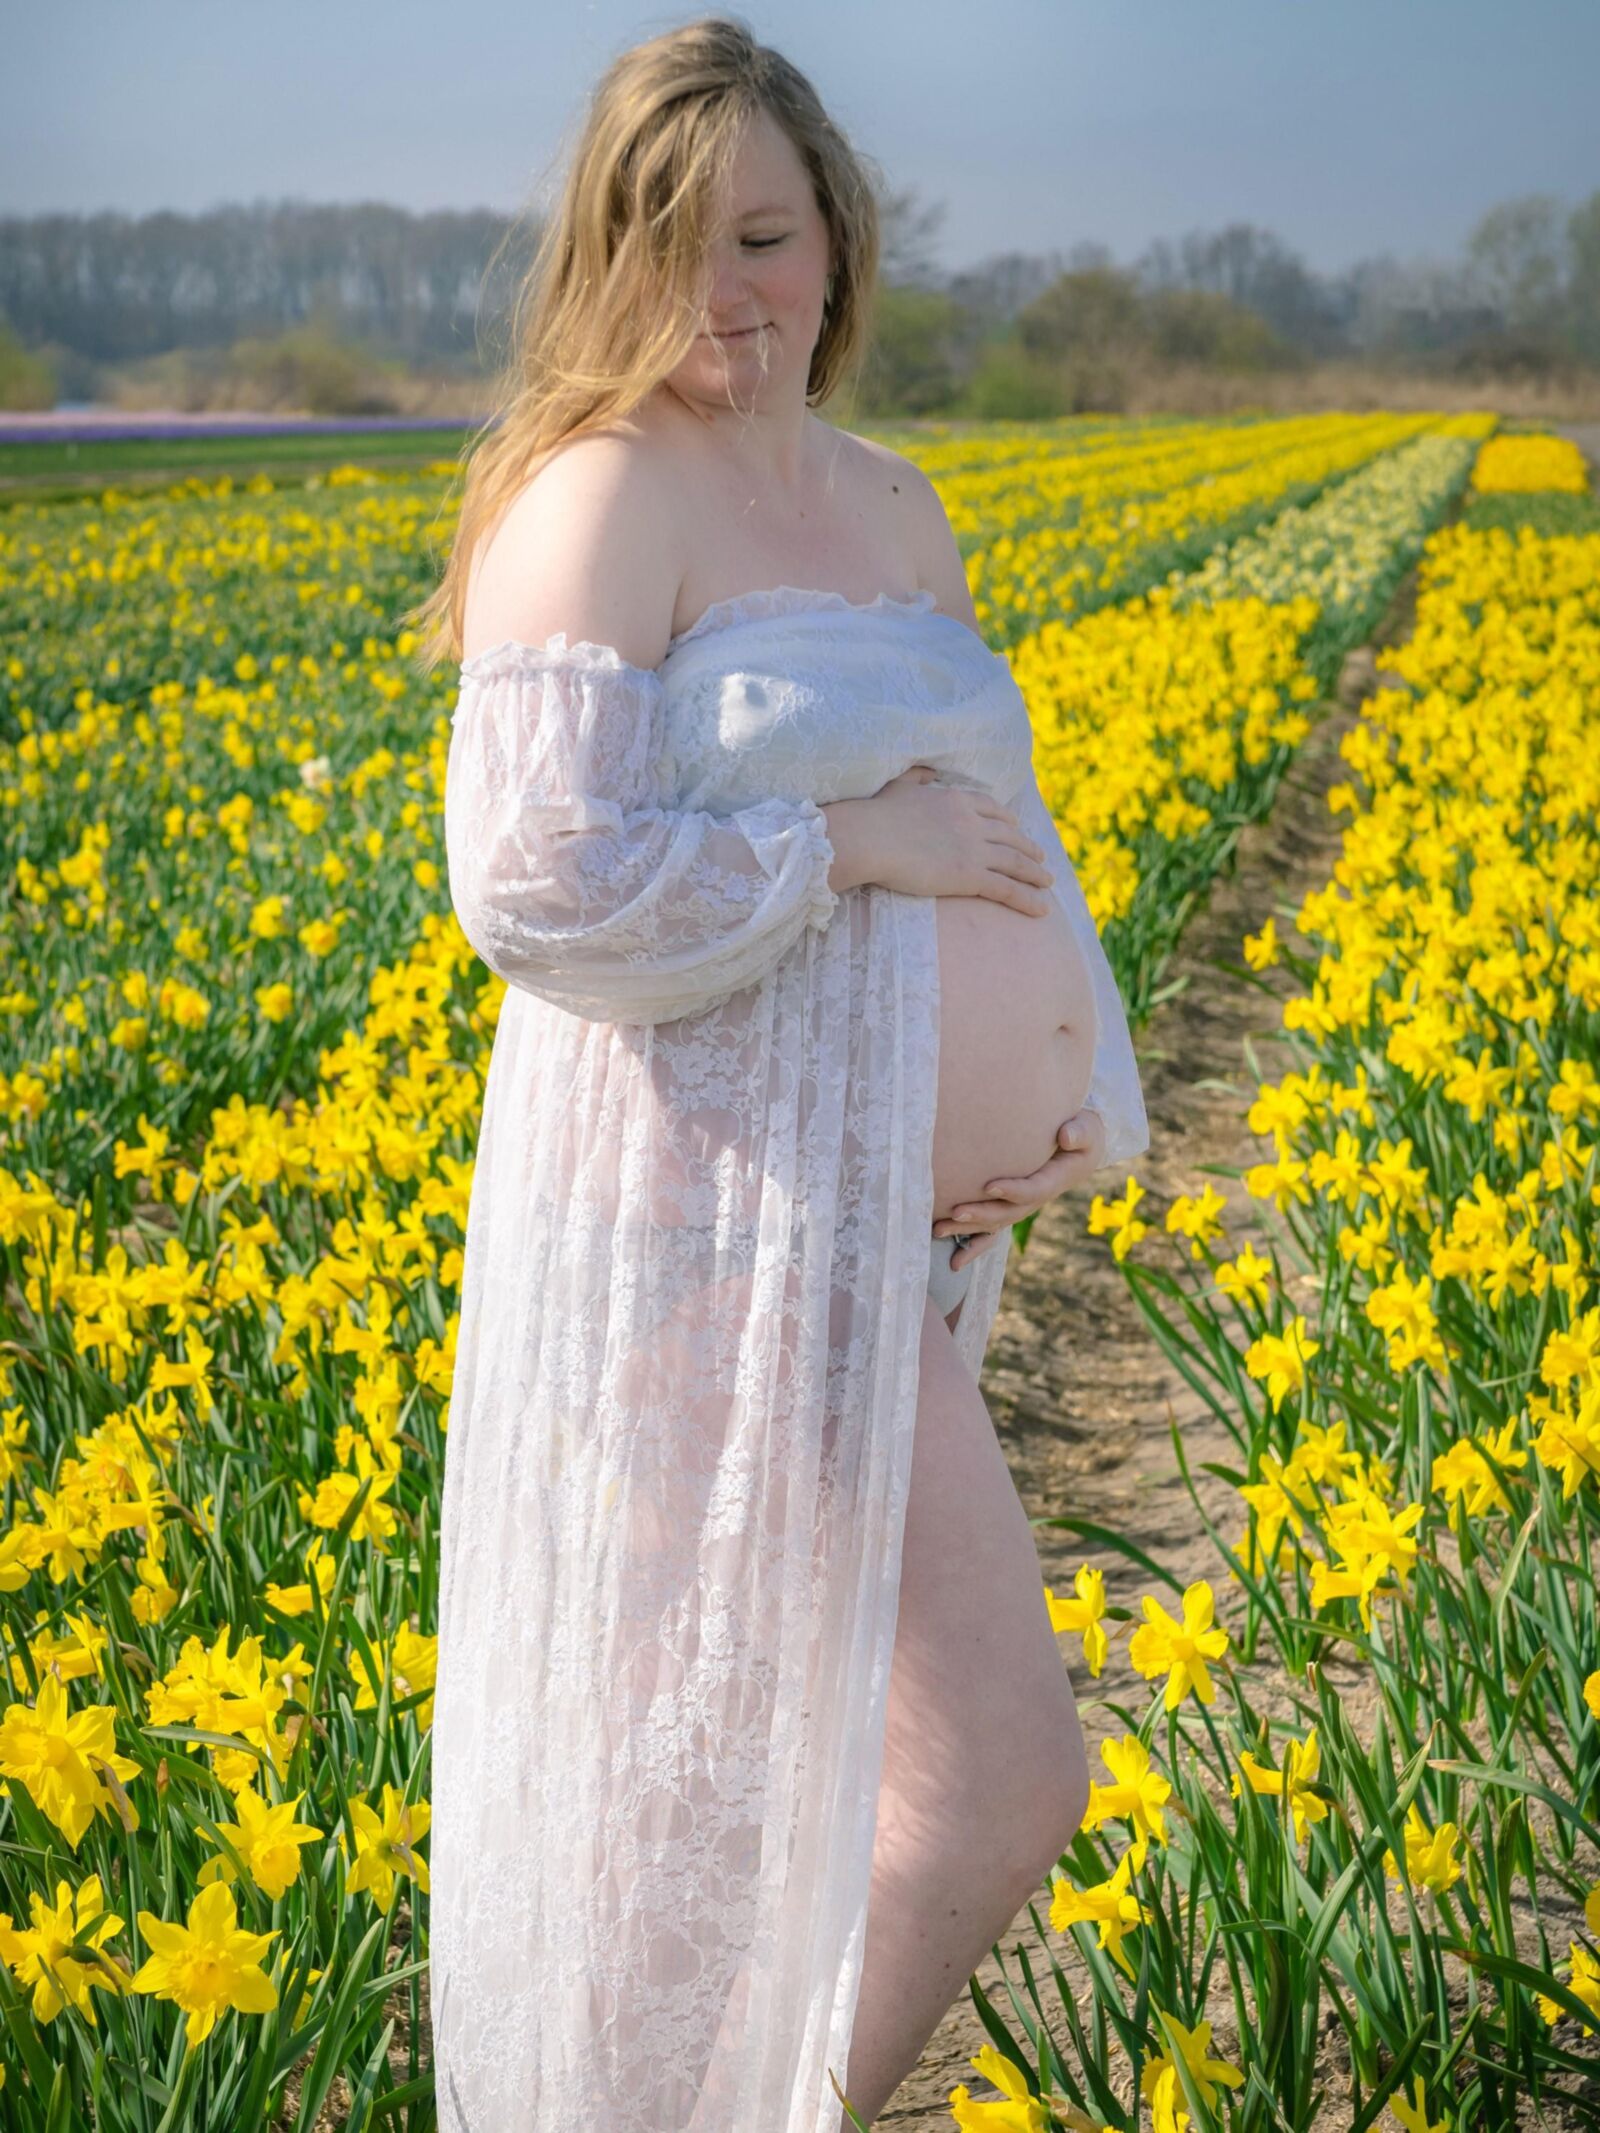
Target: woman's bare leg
(985, 1778)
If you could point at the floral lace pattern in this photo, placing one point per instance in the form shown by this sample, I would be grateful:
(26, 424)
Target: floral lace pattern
(686, 1375)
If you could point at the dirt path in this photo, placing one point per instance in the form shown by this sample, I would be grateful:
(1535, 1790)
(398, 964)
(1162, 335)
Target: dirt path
(1079, 1392)
(1586, 436)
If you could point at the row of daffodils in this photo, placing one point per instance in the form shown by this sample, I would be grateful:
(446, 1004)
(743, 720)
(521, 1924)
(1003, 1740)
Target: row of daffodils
(1065, 532)
(1356, 1833)
(242, 1049)
(1163, 725)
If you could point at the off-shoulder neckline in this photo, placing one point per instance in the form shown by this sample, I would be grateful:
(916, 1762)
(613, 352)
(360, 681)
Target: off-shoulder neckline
(775, 600)
(513, 654)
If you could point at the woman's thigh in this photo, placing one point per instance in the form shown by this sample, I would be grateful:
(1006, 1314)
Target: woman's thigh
(981, 1722)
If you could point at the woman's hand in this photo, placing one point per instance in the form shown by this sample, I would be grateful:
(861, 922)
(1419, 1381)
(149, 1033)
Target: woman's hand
(925, 838)
(1079, 1152)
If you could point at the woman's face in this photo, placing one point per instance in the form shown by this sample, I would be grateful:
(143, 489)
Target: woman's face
(763, 287)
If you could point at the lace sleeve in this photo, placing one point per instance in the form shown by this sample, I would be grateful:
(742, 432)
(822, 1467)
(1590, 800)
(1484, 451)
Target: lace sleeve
(572, 883)
(1114, 1090)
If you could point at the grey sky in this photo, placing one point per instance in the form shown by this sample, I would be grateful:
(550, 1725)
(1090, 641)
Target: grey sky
(1350, 128)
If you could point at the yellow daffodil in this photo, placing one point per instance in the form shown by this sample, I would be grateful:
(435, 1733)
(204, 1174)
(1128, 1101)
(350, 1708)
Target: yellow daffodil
(60, 1955)
(63, 1759)
(1583, 1978)
(1085, 1613)
(1180, 1650)
(1137, 1794)
(1281, 1358)
(207, 1965)
(412, 1661)
(1301, 1762)
(267, 1838)
(1020, 2112)
(1110, 1906)
(1413, 2117)
(1159, 2083)
(386, 1846)
(1431, 1854)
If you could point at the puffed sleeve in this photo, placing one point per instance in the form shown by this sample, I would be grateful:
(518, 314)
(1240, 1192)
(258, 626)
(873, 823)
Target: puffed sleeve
(1114, 1090)
(570, 880)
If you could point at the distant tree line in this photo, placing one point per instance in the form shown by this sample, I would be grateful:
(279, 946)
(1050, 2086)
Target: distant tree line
(1523, 299)
(334, 307)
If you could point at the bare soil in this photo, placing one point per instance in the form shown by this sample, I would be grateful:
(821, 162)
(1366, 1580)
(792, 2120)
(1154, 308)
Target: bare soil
(1586, 436)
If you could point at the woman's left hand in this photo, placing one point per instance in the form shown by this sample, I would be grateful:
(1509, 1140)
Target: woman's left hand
(1079, 1152)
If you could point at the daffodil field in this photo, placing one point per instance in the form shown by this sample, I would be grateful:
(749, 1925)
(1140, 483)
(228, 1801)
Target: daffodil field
(1363, 1804)
(1163, 725)
(242, 1049)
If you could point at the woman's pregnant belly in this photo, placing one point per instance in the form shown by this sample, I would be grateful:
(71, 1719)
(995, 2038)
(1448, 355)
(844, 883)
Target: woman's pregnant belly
(1016, 1042)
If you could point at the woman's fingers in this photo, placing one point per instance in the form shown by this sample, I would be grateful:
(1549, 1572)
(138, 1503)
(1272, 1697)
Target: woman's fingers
(977, 1247)
(1016, 895)
(1068, 1168)
(1009, 830)
(1020, 865)
(1012, 857)
(982, 1214)
(1040, 1184)
(1018, 880)
(1008, 833)
(986, 804)
(1009, 1199)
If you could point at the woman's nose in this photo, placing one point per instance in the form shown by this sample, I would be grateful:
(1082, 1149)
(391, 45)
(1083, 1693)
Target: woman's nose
(727, 283)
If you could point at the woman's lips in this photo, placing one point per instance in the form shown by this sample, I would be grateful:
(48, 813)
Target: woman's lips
(743, 334)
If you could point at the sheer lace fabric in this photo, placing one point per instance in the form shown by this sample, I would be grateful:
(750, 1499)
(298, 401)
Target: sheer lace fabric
(686, 1376)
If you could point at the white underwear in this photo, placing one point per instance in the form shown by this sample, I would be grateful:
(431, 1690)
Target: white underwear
(944, 1287)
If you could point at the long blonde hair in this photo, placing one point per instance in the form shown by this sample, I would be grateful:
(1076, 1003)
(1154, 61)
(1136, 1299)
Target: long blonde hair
(608, 307)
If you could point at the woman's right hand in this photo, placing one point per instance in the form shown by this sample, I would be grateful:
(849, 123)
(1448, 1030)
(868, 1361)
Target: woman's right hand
(929, 839)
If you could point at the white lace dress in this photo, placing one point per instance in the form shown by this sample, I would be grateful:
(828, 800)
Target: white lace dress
(686, 1377)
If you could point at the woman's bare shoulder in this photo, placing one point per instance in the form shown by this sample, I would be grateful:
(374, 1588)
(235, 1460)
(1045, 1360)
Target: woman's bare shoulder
(913, 521)
(584, 547)
(881, 461)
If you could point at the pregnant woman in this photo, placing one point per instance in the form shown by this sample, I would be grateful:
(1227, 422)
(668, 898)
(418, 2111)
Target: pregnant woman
(751, 1733)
